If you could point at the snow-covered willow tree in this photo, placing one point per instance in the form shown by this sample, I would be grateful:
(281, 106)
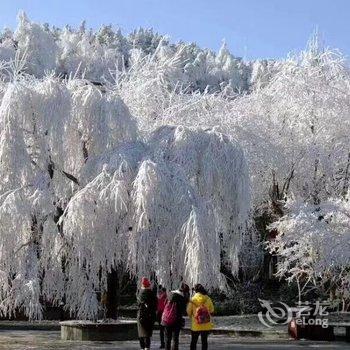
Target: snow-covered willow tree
(41, 140)
(81, 193)
(164, 207)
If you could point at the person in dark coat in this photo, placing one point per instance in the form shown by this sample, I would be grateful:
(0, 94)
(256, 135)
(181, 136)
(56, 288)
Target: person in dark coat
(172, 333)
(146, 314)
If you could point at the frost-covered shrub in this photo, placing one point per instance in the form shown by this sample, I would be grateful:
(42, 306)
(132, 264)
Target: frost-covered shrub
(243, 299)
(313, 246)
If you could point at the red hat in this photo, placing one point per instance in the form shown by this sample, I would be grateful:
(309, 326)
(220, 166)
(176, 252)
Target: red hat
(145, 282)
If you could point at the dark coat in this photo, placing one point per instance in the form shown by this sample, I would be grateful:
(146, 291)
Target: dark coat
(148, 297)
(181, 303)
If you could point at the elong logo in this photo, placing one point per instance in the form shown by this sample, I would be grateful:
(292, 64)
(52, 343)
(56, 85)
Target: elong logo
(276, 313)
(279, 313)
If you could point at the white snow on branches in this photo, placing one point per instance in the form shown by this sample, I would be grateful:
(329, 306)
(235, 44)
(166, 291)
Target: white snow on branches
(156, 215)
(132, 150)
(37, 46)
(81, 194)
(314, 244)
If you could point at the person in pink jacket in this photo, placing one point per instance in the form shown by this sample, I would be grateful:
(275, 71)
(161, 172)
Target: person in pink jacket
(162, 299)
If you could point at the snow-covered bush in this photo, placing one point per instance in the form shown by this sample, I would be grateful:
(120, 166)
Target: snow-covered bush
(313, 246)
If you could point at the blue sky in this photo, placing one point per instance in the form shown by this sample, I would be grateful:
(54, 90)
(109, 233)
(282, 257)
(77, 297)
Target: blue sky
(251, 28)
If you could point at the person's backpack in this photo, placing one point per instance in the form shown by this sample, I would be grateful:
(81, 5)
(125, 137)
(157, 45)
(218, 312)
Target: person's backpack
(145, 314)
(161, 304)
(169, 316)
(202, 315)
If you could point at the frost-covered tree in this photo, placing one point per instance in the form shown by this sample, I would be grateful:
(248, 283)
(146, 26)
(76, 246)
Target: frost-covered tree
(37, 45)
(313, 247)
(146, 39)
(294, 125)
(38, 149)
(162, 207)
(94, 57)
(103, 55)
(81, 193)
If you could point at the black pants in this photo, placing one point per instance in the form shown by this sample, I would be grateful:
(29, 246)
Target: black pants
(172, 333)
(204, 339)
(161, 332)
(145, 342)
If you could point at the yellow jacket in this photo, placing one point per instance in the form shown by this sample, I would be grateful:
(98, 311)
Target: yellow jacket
(196, 301)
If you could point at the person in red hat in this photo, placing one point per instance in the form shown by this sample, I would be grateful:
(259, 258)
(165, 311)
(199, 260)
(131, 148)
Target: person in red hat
(146, 314)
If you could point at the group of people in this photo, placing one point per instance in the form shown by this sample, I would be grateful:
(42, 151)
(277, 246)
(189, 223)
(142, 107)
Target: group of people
(169, 309)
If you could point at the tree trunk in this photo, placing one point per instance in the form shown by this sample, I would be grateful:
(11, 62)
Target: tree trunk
(112, 294)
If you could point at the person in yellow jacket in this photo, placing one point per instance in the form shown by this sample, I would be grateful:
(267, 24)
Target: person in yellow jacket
(200, 310)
